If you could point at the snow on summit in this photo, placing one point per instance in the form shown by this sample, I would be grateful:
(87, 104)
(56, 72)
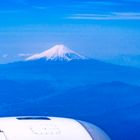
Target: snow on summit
(58, 52)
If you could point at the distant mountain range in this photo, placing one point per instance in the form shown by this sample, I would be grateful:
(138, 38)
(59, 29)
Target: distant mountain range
(62, 82)
(65, 67)
(125, 60)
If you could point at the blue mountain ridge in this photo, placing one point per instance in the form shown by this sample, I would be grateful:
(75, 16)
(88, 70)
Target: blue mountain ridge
(91, 90)
(76, 72)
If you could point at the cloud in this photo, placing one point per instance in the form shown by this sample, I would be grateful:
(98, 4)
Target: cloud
(39, 7)
(4, 55)
(102, 3)
(109, 16)
(106, 10)
(24, 54)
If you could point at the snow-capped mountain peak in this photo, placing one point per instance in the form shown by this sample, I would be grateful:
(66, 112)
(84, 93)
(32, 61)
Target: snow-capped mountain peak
(58, 52)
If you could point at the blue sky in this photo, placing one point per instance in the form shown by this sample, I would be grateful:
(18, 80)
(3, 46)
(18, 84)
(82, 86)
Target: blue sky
(96, 28)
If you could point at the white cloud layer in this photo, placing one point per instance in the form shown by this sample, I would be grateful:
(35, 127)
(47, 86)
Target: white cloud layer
(110, 16)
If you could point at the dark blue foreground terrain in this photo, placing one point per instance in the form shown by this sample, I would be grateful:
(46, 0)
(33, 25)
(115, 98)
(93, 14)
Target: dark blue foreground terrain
(104, 94)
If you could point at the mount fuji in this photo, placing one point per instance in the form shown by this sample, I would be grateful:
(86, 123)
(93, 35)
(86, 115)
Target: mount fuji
(58, 52)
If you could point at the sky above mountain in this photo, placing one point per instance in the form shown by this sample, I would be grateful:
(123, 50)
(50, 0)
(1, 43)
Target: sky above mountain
(100, 29)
